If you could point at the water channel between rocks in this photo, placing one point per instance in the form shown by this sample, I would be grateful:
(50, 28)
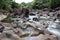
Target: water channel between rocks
(34, 32)
(53, 27)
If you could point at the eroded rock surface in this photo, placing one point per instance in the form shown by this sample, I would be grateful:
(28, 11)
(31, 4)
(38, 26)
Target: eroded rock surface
(28, 33)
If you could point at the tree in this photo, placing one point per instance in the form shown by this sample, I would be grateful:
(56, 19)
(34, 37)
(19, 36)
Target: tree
(37, 4)
(55, 3)
(23, 5)
(5, 4)
(40, 4)
(14, 5)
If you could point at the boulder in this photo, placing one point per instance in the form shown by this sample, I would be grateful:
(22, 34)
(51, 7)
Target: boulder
(9, 36)
(41, 37)
(46, 37)
(1, 28)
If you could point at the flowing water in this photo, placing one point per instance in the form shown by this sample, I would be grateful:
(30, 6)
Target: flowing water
(53, 27)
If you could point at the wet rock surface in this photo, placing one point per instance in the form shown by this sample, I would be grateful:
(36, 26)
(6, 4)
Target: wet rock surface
(38, 26)
(28, 33)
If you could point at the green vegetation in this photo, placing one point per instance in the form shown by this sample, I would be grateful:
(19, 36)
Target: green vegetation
(8, 5)
(40, 4)
(35, 4)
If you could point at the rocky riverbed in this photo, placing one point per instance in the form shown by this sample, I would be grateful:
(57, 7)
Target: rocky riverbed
(28, 33)
(35, 27)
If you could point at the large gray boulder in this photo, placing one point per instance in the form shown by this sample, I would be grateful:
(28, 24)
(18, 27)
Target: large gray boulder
(9, 36)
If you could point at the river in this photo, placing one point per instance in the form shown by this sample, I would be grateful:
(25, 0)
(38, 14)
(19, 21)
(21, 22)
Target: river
(54, 27)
